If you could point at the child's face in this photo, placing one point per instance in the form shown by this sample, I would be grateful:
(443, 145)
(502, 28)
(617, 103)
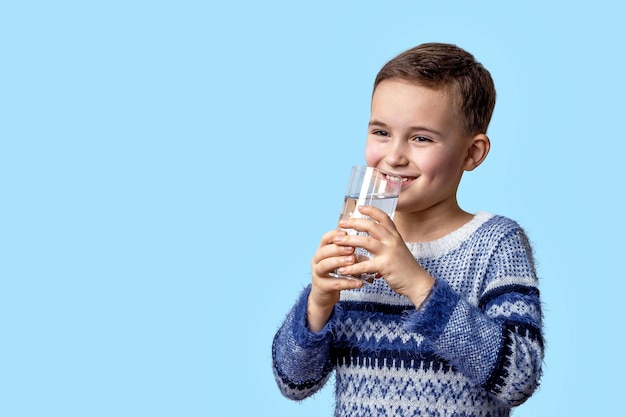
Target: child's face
(414, 132)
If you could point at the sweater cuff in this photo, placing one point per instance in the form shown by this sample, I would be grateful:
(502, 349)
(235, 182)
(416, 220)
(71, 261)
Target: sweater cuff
(433, 316)
(304, 336)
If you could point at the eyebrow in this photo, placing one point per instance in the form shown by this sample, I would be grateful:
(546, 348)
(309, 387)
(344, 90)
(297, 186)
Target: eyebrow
(378, 123)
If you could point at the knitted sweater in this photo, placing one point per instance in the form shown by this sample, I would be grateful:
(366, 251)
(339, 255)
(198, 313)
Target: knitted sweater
(474, 348)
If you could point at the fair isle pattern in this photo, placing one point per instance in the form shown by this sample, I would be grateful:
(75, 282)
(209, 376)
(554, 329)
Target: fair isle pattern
(474, 349)
(409, 392)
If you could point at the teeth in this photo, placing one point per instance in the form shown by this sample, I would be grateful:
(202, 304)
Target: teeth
(391, 178)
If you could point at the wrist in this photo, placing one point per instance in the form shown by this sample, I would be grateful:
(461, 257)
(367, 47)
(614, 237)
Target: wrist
(421, 293)
(317, 315)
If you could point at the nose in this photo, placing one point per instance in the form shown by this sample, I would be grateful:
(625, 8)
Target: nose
(396, 155)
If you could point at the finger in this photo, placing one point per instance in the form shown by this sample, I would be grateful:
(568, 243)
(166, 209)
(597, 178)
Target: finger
(368, 223)
(356, 269)
(375, 214)
(327, 238)
(377, 223)
(356, 223)
(337, 284)
(323, 266)
(331, 250)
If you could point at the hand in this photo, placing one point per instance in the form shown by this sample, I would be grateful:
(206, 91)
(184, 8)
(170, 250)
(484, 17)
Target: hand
(392, 259)
(325, 290)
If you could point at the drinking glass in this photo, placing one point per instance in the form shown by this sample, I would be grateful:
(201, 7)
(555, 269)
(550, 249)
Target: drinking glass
(368, 186)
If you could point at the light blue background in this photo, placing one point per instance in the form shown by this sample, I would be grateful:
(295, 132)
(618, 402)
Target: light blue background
(168, 167)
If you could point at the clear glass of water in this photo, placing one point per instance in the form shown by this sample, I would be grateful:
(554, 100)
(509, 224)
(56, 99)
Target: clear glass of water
(368, 187)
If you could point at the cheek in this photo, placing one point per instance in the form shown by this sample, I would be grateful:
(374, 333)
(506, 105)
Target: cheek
(439, 166)
(373, 153)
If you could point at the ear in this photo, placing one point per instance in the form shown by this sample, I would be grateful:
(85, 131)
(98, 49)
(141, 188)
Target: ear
(477, 151)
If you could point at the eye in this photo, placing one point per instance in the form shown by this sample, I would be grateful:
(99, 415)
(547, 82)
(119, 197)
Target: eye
(379, 132)
(421, 139)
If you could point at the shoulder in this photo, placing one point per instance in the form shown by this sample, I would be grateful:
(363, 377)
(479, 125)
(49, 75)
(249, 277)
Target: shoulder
(499, 233)
(506, 237)
(497, 225)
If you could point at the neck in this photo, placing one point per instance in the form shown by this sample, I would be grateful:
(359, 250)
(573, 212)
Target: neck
(431, 224)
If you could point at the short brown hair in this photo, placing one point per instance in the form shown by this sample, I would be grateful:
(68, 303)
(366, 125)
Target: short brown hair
(441, 65)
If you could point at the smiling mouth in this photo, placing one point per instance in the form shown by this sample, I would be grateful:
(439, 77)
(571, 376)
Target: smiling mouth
(405, 180)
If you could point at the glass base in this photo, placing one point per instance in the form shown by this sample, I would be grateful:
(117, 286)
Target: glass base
(366, 278)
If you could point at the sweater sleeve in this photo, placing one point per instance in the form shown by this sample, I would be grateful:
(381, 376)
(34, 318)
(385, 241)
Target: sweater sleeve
(301, 358)
(497, 343)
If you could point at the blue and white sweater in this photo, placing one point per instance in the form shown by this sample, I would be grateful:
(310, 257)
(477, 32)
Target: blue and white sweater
(475, 347)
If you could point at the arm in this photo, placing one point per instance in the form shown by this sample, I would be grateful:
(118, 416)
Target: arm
(499, 343)
(301, 357)
(301, 347)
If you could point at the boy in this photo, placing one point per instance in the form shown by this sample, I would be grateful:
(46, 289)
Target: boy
(453, 327)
